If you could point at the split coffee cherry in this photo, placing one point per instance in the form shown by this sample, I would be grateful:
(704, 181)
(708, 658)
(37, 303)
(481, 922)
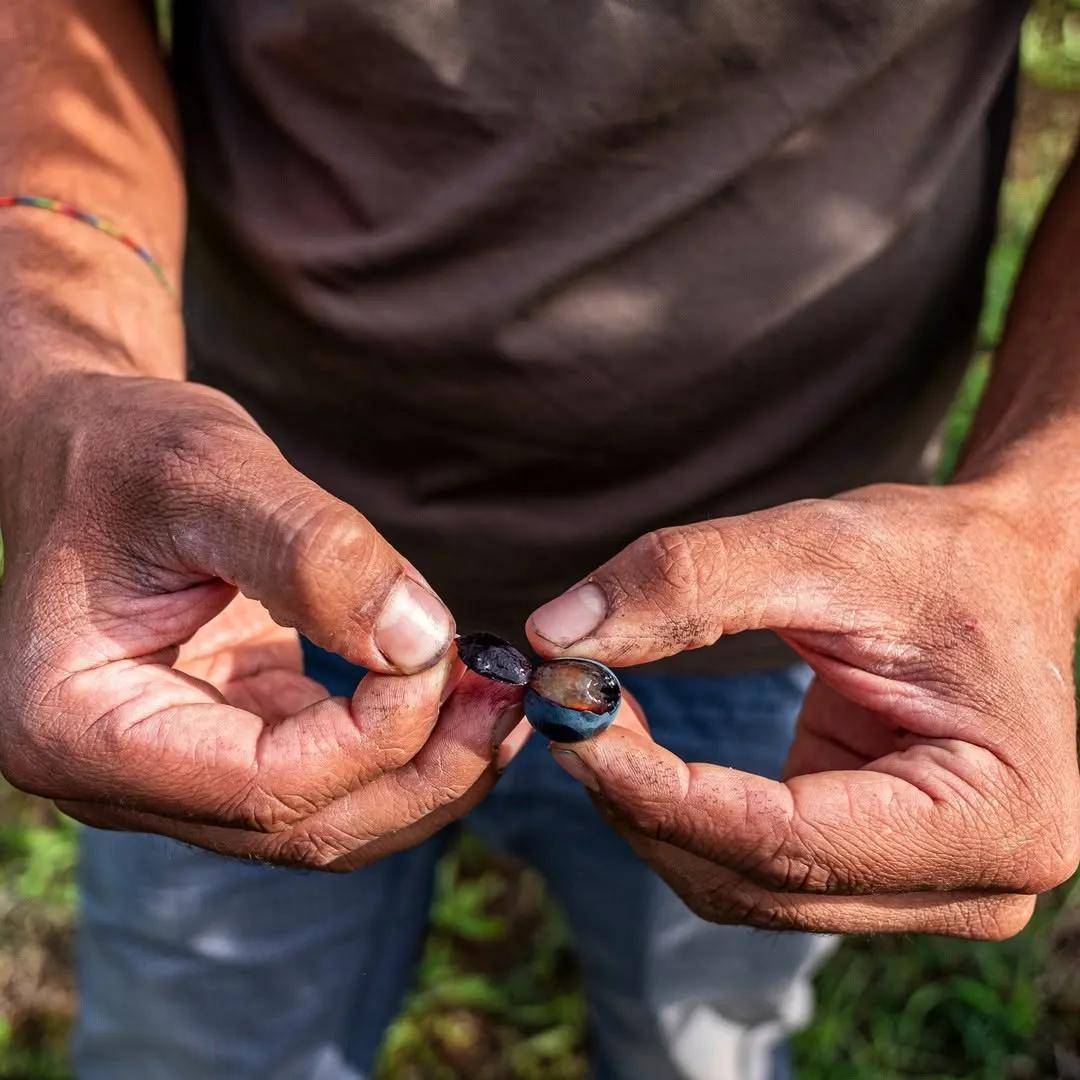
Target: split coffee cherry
(566, 700)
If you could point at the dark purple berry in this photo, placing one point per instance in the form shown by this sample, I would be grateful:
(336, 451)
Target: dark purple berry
(494, 658)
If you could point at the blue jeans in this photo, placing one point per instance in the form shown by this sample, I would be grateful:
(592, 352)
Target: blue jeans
(196, 966)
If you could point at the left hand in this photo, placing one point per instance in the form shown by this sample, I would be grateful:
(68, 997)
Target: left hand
(932, 784)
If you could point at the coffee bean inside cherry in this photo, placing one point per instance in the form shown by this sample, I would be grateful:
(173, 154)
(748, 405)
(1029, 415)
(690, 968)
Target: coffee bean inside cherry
(569, 700)
(583, 685)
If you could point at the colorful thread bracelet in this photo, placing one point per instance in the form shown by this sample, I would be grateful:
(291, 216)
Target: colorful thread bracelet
(101, 224)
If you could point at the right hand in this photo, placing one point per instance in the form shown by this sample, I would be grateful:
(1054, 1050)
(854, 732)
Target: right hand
(140, 690)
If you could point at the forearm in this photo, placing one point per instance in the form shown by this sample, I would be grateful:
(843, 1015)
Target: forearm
(1025, 443)
(89, 120)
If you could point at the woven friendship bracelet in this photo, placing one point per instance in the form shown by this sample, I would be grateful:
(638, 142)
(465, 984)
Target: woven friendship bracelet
(101, 224)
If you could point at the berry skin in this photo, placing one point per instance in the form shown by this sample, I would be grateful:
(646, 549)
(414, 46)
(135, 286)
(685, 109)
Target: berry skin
(494, 658)
(569, 700)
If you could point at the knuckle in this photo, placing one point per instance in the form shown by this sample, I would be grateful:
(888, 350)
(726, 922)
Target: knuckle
(680, 581)
(830, 534)
(28, 752)
(657, 825)
(20, 768)
(391, 758)
(409, 732)
(1037, 837)
(190, 452)
(674, 558)
(954, 652)
(1030, 856)
(258, 809)
(399, 732)
(746, 905)
(424, 802)
(311, 528)
(323, 540)
(705, 906)
(650, 813)
(302, 852)
(182, 450)
(188, 470)
(790, 873)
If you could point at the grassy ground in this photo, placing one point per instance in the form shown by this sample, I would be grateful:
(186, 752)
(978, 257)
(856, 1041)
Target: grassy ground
(497, 996)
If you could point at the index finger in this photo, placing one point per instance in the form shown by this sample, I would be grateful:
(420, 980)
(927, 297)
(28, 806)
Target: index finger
(914, 820)
(165, 743)
(450, 774)
(685, 587)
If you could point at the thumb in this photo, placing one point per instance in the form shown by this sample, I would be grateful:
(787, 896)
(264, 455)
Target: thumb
(685, 587)
(241, 513)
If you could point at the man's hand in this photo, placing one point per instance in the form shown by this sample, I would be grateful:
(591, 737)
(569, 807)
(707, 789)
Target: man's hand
(142, 690)
(932, 784)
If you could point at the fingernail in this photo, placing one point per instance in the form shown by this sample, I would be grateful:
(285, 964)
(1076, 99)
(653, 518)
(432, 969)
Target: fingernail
(572, 616)
(505, 722)
(414, 628)
(576, 768)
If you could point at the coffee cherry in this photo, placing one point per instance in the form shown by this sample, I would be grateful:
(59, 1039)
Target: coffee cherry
(566, 700)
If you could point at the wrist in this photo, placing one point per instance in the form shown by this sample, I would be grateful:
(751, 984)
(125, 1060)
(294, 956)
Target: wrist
(73, 302)
(35, 410)
(1037, 499)
(73, 297)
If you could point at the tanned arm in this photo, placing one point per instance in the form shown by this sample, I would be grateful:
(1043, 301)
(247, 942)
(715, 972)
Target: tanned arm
(89, 119)
(160, 551)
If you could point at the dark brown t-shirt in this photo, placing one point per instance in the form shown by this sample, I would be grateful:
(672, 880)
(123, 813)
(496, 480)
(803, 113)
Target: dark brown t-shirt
(522, 280)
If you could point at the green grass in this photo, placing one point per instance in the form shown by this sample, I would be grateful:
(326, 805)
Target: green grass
(498, 996)
(1050, 47)
(37, 898)
(497, 991)
(931, 1007)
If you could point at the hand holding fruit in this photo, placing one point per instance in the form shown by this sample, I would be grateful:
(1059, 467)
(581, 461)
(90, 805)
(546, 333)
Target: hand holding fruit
(140, 689)
(932, 784)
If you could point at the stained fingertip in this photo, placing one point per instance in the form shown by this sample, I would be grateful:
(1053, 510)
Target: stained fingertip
(489, 694)
(507, 721)
(512, 745)
(481, 713)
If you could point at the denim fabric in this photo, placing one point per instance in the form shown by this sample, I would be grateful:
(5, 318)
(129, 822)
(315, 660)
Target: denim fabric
(196, 966)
